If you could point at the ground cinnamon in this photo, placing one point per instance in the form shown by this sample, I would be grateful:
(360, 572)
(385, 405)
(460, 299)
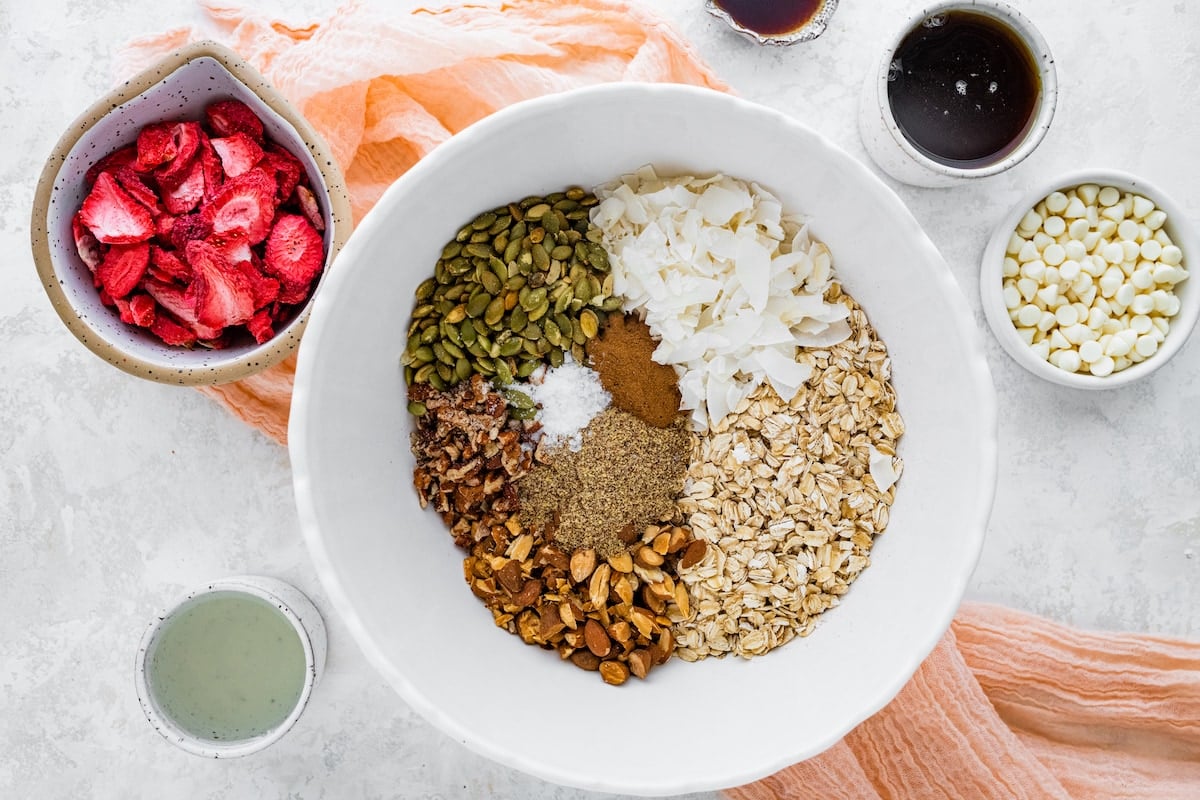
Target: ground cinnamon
(622, 355)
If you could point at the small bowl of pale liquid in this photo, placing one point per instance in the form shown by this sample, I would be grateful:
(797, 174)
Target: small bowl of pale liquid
(229, 669)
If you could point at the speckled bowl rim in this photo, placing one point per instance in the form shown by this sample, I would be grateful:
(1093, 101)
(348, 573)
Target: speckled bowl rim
(300, 613)
(810, 30)
(247, 363)
(1182, 232)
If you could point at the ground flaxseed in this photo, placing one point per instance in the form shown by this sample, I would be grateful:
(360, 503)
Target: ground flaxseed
(625, 472)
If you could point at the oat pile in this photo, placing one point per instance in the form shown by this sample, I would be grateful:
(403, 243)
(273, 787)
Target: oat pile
(783, 495)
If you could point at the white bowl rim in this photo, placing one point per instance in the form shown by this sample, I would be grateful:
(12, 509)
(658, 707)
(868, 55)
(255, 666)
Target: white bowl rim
(991, 283)
(959, 318)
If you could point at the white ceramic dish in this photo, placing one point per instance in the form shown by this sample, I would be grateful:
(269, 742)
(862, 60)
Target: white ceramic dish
(393, 573)
(295, 607)
(891, 150)
(1177, 226)
(178, 87)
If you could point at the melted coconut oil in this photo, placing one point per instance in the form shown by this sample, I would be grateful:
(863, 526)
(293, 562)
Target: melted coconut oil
(228, 667)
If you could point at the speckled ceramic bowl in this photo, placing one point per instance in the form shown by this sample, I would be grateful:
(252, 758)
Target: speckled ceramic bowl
(178, 87)
(300, 613)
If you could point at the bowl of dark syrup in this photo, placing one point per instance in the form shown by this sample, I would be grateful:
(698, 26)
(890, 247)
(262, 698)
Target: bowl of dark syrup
(965, 91)
(775, 22)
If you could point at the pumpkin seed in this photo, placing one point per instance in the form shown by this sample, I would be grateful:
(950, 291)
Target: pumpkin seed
(504, 373)
(478, 304)
(462, 369)
(491, 282)
(528, 367)
(416, 409)
(425, 290)
(539, 311)
(537, 211)
(518, 399)
(518, 319)
(589, 323)
(522, 413)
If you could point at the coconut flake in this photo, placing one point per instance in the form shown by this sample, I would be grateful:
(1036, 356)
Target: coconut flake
(883, 470)
(730, 285)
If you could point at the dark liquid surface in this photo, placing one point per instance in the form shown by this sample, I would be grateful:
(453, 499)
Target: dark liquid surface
(770, 17)
(963, 89)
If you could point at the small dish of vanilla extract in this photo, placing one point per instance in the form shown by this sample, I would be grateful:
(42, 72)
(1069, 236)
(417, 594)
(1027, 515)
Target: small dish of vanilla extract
(964, 88)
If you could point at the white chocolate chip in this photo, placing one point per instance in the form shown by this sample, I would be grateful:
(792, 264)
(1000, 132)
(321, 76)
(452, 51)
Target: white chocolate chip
(1089, 276)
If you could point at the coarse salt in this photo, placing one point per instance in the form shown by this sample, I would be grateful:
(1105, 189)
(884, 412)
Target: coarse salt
(729, 284)
(570, 396)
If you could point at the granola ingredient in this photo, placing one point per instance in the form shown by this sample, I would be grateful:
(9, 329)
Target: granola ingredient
(173, 229)
(626, 473)
(611, 616)
(518, 287)
(789, 524)
(622, 354)
(468, 454)
(569, 396)
(1089, 279)
(730, 285)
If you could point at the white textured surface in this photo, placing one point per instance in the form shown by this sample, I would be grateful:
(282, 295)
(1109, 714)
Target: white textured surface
(117, 494)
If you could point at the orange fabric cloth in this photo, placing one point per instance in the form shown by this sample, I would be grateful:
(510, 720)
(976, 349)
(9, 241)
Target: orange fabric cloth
(1008, 705)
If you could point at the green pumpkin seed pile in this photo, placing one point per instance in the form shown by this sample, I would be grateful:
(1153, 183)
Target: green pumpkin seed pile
(519, 286)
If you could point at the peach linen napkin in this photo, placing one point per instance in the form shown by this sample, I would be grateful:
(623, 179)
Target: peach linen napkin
(1008, 705)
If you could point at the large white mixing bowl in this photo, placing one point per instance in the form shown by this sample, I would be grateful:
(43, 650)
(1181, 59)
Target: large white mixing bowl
(392, 572)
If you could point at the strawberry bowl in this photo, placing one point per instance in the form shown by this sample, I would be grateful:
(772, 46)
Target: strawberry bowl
(184, 222)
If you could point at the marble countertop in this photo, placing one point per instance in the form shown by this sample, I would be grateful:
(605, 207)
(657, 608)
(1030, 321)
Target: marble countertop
(118, 494)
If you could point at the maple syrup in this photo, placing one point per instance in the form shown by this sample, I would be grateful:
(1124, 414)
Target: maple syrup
(770, 17)
(963, 88)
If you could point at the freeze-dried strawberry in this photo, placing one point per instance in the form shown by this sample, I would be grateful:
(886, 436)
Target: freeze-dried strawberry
(183, 304)
(308, 204)
(171, 332)
(132, 182)
(295, 254)
(141, 308)
(239, 153)
(113, 216)
(187, 137)
(287, 169)
(121, 304)
(187, 228)
(183, 192)
(86, 244)
(118, 158)
(264, 289)
(156, 144)
(166, 266)
(123, 267)
(244, 204)
(210, 164)
(261, 326)
(224, 295)
(227, 117)
(233, 247)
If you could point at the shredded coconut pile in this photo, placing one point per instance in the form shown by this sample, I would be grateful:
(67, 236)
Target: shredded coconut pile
(570, 396)
(729, 284)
